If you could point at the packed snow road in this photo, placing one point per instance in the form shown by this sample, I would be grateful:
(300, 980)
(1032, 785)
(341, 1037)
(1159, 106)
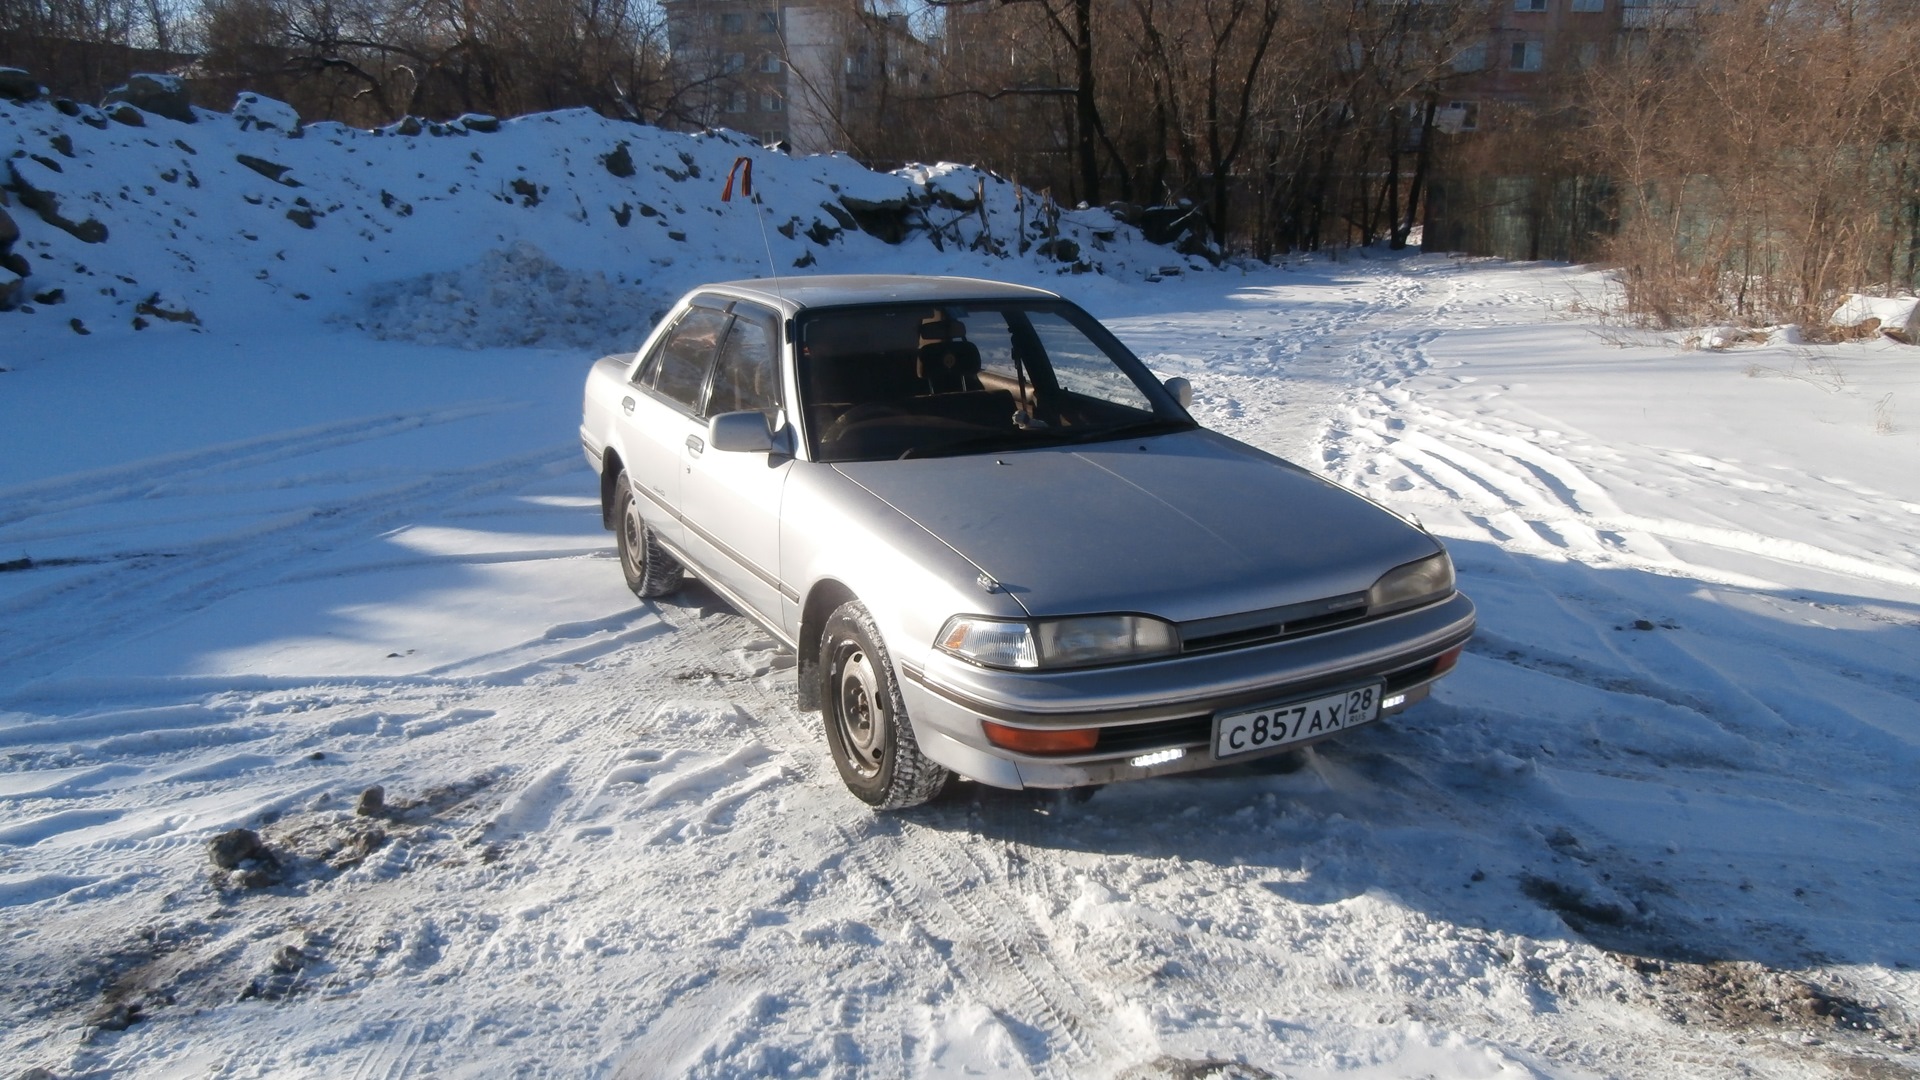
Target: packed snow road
(1660, 823)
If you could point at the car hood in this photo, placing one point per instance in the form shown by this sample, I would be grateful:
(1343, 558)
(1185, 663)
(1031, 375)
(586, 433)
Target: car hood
(1185, 526)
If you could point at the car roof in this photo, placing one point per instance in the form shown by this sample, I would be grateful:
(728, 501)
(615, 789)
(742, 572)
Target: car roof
(795, 294)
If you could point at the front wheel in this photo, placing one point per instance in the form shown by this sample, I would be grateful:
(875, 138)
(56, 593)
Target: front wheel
(867, 726)
(650, 571)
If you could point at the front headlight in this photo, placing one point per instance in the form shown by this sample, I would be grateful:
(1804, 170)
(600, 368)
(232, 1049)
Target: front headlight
(1058, 643)
(1411, 585)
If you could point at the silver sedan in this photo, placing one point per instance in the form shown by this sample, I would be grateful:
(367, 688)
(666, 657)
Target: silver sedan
(997, 544)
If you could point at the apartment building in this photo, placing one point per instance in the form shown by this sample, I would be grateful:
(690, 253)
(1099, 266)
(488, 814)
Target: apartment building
(1533, 46)
(786, 73)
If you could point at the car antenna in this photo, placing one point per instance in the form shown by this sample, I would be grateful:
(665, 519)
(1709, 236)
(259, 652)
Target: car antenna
(743, 167)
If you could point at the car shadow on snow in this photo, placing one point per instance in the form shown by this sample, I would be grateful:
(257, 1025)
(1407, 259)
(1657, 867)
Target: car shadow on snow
(1667, 768)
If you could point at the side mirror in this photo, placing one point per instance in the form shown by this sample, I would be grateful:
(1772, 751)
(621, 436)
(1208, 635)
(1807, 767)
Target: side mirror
(1182, 391)
(740, 432)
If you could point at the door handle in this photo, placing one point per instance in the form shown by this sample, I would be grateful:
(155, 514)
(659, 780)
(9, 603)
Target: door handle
(626, 405)
(695, 444)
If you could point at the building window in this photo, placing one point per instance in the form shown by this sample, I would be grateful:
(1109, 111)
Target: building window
(769, 22)
(1587, 5)
(772, 64)
(1587, 55)
(1529, 5)
(1471, 57)
(1458, 116)
(733, 24)
(734, 62)
(1525, 56)
(772, 103)
(737, 101)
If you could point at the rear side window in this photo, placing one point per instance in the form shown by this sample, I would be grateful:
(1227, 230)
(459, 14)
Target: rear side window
(747, 377)
(678, 370)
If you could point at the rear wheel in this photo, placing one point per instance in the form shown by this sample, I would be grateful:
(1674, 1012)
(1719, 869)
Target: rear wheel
(650, 571)
(867, 727)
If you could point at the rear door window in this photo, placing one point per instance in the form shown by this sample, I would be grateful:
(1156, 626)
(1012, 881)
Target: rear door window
(678, 369)
(747, 376)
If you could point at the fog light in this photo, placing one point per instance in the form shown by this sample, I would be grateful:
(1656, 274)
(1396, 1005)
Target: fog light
(1041, 740)
(1397, 699)
(1158, 757)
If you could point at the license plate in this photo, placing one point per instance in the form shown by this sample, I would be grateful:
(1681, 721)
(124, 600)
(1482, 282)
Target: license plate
(1295, 721)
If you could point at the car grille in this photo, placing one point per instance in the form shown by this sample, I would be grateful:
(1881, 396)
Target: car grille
(1273, 624)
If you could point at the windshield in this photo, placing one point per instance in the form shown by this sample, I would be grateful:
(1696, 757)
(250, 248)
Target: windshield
(900, 380)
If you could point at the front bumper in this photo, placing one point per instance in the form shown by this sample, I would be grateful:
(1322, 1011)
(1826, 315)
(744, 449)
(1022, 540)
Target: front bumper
(1165, 705)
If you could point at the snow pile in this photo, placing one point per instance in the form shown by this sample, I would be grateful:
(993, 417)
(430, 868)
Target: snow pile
(252, 218)
(1897, 316)
(512, 297)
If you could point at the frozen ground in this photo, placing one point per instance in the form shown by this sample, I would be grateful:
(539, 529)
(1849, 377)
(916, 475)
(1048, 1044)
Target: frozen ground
(1660, 823)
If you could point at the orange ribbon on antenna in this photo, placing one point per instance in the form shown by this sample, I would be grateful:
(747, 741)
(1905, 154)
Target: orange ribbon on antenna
(746, 179)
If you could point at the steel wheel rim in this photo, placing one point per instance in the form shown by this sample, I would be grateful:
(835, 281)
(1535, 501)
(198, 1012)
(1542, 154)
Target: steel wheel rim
(635, 534)
(858, 712)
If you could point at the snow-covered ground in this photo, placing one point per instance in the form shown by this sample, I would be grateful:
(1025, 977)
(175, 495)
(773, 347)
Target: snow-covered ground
(1661, 822)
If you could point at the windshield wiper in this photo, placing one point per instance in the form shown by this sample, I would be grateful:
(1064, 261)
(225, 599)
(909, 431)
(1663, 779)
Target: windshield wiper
(1057, 436)
(999, 440)
(1159, 425)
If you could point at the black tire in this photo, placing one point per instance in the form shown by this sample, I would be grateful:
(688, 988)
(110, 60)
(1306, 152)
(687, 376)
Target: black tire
(867, 726)
(650, 571)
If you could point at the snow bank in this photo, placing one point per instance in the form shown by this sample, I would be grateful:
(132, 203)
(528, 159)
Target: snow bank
(253, 218)
(1898, 316)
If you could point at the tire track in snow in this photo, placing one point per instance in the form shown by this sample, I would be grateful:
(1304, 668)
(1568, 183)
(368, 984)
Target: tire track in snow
(150, 592)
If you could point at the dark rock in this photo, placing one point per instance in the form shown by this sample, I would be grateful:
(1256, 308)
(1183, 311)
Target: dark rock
(840, 214)
(301, 217)
(623, 214)
(126, 114)
(63, 143)
(17, 85)
(1060, 249)
(234, 848)
(114, 1016)
(17, 263)
(9, 230)
(66, 106)
(479, 122)
(528, 191)
(677, 235)
(78, 327)
(804, 261)
(288, 960)
(373, 802)
(619, 162)
(409, 125)
(160, 309)
(11, 286)
(47, 205)
(822, 233)
(51, 296)
(1169, 224)
(271, 170)
(161, 95)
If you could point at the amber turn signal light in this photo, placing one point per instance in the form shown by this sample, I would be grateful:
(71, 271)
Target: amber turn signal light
(1041, 740)
(1447, 660)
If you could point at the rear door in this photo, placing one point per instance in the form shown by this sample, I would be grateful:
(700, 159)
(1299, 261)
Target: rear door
(663, 420)
(731, 501)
